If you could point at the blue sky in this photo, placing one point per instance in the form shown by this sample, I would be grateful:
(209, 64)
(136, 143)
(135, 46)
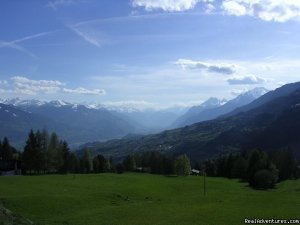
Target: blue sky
(149, 53)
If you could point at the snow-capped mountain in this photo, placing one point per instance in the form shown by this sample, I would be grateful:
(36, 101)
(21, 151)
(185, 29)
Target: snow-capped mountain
(73, 122)
(218, 107)
(22, 103)
(194, 111)
(250, 95)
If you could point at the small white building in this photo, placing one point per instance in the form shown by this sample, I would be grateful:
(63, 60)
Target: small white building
(195, 172)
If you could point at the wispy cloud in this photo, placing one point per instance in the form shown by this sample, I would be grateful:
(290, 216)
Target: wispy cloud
(89, 34)
(247, 80)
(84, 91)
(221, 68)
(55, 4)
(15, 43)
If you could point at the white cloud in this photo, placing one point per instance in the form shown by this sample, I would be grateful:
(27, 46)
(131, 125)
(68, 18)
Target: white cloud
(247, 80)
(54, 4)
(236, 92)
(268, 10)
(20, 85)
(84, 91)
(24, 85)
(222, 68)
(234, 8)
(166, 5)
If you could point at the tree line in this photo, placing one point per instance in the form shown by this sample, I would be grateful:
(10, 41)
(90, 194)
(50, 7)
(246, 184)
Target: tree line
(156, 163)
(260, 169)
(45, 153)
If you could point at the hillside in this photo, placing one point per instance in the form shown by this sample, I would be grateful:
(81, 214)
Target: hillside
(271, 125)
(213, 108)
(75, 123)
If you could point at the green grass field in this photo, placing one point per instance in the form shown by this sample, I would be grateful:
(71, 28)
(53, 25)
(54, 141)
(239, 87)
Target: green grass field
(111, 199)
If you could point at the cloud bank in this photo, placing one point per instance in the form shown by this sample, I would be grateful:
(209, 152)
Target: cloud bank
(267, 10)
(247, 80)
(166, 5)
(221, 68)
(84, 91)
(24, 86)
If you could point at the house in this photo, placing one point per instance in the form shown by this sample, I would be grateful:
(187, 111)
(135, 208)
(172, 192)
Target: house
(195, 172)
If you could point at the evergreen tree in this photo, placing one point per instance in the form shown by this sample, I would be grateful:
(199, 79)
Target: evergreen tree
(30, 153)
(1, 150)
(44, 142)
(6, 150)
(87, 161)
(286, 163)
(54, 154)
(39, 154)
(65, 151)
(73, 163)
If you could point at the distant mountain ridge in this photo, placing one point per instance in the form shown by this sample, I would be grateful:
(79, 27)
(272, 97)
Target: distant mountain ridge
(214, 108)
(144, 121)
(75, 123)
(272, 124)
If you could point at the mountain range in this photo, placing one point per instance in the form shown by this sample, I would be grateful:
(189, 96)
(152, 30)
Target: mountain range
(75, 123)
(79, 124)
(269, 122)
(213, 107)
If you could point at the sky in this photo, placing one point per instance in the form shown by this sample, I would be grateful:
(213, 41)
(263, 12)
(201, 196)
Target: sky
(146, 53)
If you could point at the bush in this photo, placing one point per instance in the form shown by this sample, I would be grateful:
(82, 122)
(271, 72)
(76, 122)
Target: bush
(264, 179)
(182, 165)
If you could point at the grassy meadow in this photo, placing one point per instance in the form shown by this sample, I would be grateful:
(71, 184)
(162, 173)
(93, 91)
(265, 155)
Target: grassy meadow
(141, 199)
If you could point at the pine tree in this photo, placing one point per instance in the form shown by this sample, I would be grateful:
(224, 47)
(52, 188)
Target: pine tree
(29, 154)
(7, 151)
(54, 158)
(65, 157)
(87, 163)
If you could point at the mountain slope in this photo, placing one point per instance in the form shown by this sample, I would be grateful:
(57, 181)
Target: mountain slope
(270, 126)
(75, 123)
(285, 90)
(192, 115)
(209, 113)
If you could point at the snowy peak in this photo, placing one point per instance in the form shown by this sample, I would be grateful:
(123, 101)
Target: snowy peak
(58, 103)
(18, 102)
(251, 95)
(257, 92)
(211, 102)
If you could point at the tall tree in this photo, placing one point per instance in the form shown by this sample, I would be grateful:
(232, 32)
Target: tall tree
(6, 150)
(54, 154)
(65, 151)
(182, 165)
(29, 153)
(87, 161)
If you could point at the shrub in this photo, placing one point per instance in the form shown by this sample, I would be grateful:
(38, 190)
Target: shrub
(264, 179)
